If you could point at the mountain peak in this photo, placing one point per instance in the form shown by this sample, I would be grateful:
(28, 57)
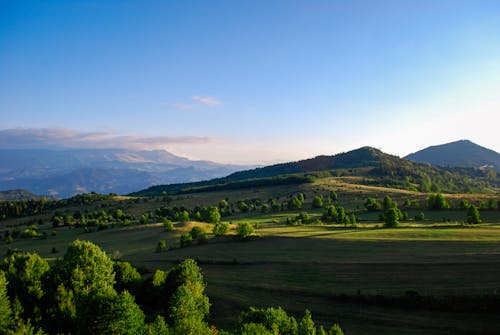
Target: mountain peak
(458, 153)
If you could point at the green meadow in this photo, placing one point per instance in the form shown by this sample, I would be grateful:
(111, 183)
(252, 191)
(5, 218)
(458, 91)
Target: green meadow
(326, 268)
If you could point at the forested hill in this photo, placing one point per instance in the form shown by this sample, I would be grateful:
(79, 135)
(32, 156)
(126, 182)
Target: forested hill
(18, 195)
(376, 167)
(459, 153)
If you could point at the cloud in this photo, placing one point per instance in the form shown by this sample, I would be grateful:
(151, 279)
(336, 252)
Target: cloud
(209, 101)
(38, 138)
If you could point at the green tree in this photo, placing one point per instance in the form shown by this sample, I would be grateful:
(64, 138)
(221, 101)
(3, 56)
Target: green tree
(86, 269)
(110, 314)
(317, 202)
(335, 330)
(214, 215)
(306, 325)
(5, 309)
(391, 217)
(158, 327)
(371, 205)
(25, 272)
(126, 276)
(473, 216)
(221, 228)
(245, 229)
(255, 329)
(168, 225)
(162, 246)
(437, 202)
(388, 203)
(273, 319)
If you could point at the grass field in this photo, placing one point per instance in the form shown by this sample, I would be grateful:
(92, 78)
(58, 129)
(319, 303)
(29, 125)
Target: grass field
(310, 266)
(299, 267)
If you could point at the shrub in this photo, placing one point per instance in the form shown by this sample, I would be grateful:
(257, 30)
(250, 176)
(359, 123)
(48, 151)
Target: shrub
(245, 230)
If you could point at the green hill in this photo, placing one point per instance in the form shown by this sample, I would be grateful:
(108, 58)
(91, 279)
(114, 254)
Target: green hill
(459, 153)
(376, 168)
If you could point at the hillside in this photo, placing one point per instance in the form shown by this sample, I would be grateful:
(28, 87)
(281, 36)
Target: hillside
(459, 153)
(11, 195)
(376, 168)
(63, 173)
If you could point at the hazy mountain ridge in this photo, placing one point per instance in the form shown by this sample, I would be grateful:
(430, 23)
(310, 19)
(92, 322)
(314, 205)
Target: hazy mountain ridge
(63, 173)
(458, 153)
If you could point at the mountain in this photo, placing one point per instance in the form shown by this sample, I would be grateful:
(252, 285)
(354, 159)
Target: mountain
(459, 153)
(63, 173)
(374, 166)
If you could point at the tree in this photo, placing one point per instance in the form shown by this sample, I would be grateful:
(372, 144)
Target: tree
(371, 205)
(335, 330)
(388, 203)
(25, 272)
(5, 309)
(306, 325)
(391, 217)
(126, 275)
(437, 202)
(168, 225)
(85, 268)
(110, 314)
(295, 203)
(162, 246)
(221, 228)
(213, 215)
(255, 329)
(473, 216)
(317, 202)
(275, 320)
(245, 229)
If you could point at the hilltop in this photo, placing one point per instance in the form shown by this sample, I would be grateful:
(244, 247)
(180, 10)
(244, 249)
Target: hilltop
(458, 153)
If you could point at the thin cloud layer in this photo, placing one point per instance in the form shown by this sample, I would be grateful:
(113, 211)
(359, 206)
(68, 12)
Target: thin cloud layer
(209, 101)
(38, 138)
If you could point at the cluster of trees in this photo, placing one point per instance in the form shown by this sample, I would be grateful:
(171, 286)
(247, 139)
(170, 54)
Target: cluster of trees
(270, 321)
(87, 292)
(91, 219)
(337, 214)
(22, 208)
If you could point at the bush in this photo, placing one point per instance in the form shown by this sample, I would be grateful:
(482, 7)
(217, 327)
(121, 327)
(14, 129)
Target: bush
(221, 228)
(168, 225)
(245, 230)
(162, 246)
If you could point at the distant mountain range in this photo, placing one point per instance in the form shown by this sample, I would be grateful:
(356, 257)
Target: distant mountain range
(62, 173)
(459, 153)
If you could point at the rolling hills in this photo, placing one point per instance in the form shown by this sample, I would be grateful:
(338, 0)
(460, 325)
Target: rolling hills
(372, 165)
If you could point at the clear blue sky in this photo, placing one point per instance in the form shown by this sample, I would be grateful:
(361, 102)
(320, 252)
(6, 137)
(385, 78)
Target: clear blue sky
(254, 81)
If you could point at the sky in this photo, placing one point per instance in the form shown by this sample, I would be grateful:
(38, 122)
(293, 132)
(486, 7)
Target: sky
(249, 82)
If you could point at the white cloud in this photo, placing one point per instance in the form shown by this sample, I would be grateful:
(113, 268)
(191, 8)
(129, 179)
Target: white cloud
(207, 100)
(25, 138)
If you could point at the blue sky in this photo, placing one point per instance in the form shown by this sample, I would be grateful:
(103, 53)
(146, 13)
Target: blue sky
(253, 81)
